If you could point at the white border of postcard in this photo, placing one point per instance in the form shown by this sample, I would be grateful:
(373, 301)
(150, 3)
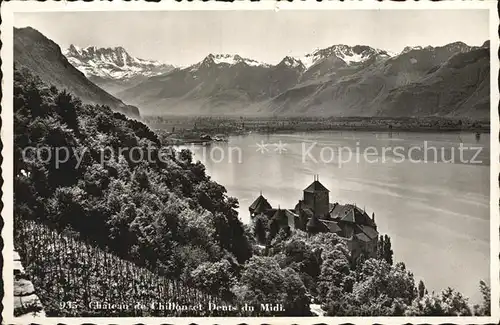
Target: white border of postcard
(7, 12)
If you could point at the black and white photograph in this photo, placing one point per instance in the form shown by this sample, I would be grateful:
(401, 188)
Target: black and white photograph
(283, 162)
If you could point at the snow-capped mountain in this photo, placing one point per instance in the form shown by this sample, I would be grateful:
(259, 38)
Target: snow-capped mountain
(348, 54)
(456, 47)
(293, 63)
(113, 69)
(338, 80)
(411, 48)
(225, 60)
(219, 82)
(43, 57)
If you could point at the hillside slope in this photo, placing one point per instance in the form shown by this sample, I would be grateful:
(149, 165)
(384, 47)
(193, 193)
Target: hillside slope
(87, 268)
(161, 211)
(369, 89)
(459, 87)
(219, 84)
(43, 57)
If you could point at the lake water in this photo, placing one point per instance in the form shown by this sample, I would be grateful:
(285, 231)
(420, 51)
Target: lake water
(436, 213)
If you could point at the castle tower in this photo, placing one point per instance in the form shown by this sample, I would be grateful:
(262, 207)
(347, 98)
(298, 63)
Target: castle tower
(258, 206)
(317, 198)
(313, 225)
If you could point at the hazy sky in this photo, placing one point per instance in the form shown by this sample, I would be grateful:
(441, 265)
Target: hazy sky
(185, 37)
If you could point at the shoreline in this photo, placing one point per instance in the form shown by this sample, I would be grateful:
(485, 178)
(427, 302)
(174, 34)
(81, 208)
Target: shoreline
(203, 130)
(385, 130)
(180, 141)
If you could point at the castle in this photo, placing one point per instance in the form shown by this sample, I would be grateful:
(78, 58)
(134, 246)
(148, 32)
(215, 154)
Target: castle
(315, 214)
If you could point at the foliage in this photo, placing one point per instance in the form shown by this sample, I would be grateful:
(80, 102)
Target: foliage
(215, 278)
(261, 227)
(378, 289)
(264, 282)
(448, 303)
(371, 287)
(421, 289)
(384, 249)
(115, 186)
(485, 308)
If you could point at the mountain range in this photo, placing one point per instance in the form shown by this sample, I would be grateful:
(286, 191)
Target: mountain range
(450, 80)
(114, 69)
(341, 80)
(43, 57)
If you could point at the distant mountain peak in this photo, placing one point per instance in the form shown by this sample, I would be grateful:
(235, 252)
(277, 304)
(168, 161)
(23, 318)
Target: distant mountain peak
(112, 63)
(292, 62)
(208, 60)
(412, 48)
(458, 46)
(348, 54)
(227, 59)
(74, 49)
(43, 57)
(453, 47)
(459, 43)
(340, 80)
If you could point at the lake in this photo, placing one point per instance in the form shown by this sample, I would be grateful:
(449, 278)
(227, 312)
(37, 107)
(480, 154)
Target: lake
(436, 213)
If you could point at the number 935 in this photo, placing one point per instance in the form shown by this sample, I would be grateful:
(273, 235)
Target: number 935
(67, 305)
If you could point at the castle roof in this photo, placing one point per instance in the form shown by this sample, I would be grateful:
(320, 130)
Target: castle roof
(302, 206)
(365, 233)
(352, 214)
(362, 236)
(331, 225)
(316, 186)
(279, 214)
(260, 205)
(283, 217)
(369, 231)
(315, 225)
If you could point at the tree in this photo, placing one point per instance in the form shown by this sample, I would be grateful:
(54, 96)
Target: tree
(388, 253)
(455, 304)
(215, 278)
(296, 302)
(384, 249)
(380, 247)
(335, 276)
(381, 289)
(485, 308)
(421, 289)
(68, 106)
(300, 256)
(66, 204)
(448, 303)
(260, 228)
(274, 228)
(140, 179)
(263, 281)
(96, 180)
(428, 305)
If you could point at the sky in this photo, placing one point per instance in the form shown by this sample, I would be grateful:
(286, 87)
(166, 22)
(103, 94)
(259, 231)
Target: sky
(186, 37)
